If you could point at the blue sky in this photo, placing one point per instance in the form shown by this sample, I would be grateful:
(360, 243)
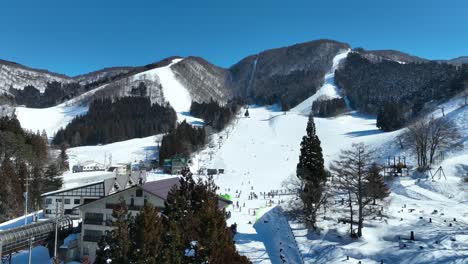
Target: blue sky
(74, 37)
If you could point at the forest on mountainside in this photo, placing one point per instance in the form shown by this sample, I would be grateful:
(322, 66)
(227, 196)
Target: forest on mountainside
(25, 155)
(110, 121)
(181, 141)
(215, 115)
(287, 75)
(372, 86)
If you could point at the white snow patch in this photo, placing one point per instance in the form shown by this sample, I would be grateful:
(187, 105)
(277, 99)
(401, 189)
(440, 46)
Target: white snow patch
(174, 92)
(49, 119)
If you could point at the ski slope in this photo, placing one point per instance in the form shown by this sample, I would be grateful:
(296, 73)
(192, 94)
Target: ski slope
(327, 91)
(119, 152)
(260, 152)
(174, 92)
(49, 119)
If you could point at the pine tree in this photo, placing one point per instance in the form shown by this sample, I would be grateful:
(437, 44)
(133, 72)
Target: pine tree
(63, 158)
(116, 245)
(375, 186)
(192, 212)
(36, 187)
(11, 199)
(52, 181)
(310, 170)
(148, 236)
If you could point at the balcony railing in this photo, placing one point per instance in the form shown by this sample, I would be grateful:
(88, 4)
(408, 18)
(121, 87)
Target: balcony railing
(91, 221)
(129, 207)
(91, 238)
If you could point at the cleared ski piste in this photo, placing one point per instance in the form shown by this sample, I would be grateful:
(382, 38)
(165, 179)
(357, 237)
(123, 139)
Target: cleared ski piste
(51, 119)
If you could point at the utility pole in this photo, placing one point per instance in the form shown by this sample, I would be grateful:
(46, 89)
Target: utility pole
(57, 214)
(30, 249)
(26, 194)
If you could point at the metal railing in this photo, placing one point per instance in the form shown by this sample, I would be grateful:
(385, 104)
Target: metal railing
(19, 238)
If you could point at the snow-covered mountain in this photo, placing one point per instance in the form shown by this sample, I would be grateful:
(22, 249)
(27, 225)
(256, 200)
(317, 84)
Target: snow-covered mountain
(258, 153)
(17, 76)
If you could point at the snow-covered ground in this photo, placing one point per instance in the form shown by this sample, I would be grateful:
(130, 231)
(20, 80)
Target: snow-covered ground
(174, 91)
(119, 152)
(49, 119)
(53, 118)
(328, 90)
(258, 153)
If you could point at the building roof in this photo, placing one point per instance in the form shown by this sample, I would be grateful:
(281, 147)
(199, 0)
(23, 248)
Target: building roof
(159, 188)
(71, 189)
(162, 187)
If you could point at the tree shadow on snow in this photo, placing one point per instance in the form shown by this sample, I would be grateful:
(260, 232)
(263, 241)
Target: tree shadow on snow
(363, 133)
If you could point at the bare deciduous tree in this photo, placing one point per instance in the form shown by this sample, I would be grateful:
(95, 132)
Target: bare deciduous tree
(427, 137)
(359, 179)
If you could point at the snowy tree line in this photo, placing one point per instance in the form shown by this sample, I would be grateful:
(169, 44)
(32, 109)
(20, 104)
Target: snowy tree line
(215, 115)
(25, 156)
(182, 141)
(189, 229)
(110, 121)
(373, 86)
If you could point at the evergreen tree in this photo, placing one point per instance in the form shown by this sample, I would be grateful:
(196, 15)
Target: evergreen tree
(52, 181)
(63, 158)
(390, 117)
(193, 206)
(149, 236)
(116, 246)
(375, 186)
(311, 171)
(11, 200)
(6, 173)
(36, 187)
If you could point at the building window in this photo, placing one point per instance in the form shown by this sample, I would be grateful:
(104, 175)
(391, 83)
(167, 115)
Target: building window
(139, 193)
(93, 218)
(58, 200)
(48, 211)
(48, 201)
(67, 201)
(92, 235)
(76, 201)
(132, 202)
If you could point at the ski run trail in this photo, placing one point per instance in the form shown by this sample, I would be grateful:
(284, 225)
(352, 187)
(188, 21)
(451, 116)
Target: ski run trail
(51, 119)
(259, 152)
